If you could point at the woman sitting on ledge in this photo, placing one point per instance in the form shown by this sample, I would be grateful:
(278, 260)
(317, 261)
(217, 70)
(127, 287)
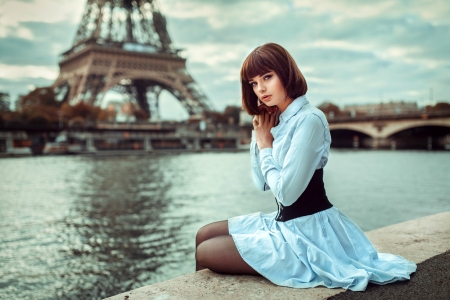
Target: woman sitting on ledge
(307, 242)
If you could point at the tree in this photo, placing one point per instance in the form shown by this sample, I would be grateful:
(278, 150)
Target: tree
(439, 107)
(331, 110)
(108, 114)
(40, 97)
(39, 107)
(4, 102)
(81, 110)
(140, 114)
(232, 114)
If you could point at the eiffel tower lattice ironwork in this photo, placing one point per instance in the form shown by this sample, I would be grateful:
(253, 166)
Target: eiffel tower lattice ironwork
(124, 45)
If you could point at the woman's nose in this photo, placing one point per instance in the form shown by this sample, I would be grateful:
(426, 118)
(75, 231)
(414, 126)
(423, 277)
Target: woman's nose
(262, 88)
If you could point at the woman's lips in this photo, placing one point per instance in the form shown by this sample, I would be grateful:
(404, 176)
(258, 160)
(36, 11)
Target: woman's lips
(266, 98)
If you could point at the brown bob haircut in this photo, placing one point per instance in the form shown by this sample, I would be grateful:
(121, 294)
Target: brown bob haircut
(266, 58)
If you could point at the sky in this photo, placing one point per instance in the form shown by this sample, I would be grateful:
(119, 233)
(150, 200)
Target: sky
(350, 51)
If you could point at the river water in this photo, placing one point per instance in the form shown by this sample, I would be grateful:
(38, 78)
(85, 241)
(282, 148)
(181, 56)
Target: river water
(75, 227)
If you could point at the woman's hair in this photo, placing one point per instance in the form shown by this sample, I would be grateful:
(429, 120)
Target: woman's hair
(266, 58)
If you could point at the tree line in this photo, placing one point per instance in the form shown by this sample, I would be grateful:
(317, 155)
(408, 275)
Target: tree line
(40, 107)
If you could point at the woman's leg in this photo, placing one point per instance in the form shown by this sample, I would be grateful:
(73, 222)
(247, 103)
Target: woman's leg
(219, 254)
(211, 230)
(207, 232)
(215, 250)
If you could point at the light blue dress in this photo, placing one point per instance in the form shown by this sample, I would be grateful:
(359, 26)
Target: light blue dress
(325, 248)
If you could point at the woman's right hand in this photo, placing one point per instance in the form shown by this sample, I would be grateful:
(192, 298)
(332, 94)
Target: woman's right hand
(262, 124)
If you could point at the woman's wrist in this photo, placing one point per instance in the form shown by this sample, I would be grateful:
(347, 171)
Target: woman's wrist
(263, 146)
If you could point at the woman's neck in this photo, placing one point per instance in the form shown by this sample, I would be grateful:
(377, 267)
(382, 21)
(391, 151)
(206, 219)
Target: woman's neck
(283, 105)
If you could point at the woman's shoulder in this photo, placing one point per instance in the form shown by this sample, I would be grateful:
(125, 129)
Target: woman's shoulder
(311, 115)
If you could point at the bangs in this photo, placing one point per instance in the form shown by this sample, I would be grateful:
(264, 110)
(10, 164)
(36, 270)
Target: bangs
(253, 66)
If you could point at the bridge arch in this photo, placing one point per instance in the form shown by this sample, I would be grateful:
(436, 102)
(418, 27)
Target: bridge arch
(403, 126)
(348, 138)
(352, 127)
(414, 132)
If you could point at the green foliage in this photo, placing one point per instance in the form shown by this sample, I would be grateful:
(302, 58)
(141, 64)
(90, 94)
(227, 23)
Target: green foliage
(40, 97)
(4, 102)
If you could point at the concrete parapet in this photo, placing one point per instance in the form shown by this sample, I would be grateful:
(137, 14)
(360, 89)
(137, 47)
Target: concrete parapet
(416, 240)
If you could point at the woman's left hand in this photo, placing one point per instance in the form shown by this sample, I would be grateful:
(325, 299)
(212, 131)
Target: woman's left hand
(262, 124)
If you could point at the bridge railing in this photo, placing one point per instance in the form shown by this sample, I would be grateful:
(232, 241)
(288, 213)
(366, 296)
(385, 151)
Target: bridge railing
(388, 116)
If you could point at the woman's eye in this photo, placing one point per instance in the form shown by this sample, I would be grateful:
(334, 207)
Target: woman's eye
(267, 77)
(253, 84)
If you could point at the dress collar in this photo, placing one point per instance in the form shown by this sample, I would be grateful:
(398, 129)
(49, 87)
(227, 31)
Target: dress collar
(293, 108)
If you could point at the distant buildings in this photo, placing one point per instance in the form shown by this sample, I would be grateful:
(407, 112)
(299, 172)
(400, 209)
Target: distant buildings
(367, 110)
(391, 108)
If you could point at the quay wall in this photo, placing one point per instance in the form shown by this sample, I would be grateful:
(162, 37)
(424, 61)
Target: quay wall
(416, 240)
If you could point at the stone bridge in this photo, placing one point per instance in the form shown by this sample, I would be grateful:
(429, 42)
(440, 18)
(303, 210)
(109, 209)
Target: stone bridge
(380, 131)
(384, 128)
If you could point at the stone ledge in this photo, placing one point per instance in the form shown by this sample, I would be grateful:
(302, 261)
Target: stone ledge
(416, 240)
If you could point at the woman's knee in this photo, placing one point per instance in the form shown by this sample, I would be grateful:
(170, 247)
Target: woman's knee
(207, 251)
(202, 235)
(211, 230)
(201, 254)
(219, 254)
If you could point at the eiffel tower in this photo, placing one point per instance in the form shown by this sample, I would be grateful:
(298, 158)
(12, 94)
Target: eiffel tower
(123, 45)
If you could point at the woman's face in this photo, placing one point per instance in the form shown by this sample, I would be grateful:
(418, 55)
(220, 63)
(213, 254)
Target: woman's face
(270, 90)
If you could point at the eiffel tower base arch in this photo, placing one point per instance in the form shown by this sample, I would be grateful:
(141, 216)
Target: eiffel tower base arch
(88, 74)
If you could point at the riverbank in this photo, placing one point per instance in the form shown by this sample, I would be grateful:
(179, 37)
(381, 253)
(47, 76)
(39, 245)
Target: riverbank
(418, 240)
(26, 153)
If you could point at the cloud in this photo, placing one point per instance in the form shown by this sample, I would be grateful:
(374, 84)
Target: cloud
(220, 14)
(21, 86)
(350, 51)
(17, 72)
(49, 40)
(436, 10)
(215, 54)
(49, 11)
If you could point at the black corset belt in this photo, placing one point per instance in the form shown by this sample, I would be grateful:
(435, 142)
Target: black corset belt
(311, 201)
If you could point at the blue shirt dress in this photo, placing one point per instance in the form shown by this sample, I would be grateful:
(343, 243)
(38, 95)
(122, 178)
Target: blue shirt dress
(325, 248)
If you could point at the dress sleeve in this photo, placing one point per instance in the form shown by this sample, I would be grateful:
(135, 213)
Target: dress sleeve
(258, 178)
(288, 182)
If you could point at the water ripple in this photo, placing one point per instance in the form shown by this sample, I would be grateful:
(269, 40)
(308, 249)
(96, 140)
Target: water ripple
(88, 227)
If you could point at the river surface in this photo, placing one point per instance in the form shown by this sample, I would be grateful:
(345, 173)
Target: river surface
(75, 227)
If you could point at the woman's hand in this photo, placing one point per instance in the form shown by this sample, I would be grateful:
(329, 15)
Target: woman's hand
(262, 124)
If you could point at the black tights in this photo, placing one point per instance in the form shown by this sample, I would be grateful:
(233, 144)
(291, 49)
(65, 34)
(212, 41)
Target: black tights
(215, 250)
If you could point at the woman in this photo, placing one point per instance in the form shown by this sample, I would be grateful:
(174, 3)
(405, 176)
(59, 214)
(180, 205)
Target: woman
(307, 242)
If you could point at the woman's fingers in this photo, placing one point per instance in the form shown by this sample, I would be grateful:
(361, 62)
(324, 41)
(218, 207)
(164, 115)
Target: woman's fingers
(262, 117)
(272, 118)
(265, 118)
(255, 122)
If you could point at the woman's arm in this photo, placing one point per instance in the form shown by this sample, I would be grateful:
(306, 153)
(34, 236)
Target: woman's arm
(258, 178)
(288, 182)
(261, 138)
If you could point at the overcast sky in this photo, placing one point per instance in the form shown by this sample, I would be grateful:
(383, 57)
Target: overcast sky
(350, 51)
